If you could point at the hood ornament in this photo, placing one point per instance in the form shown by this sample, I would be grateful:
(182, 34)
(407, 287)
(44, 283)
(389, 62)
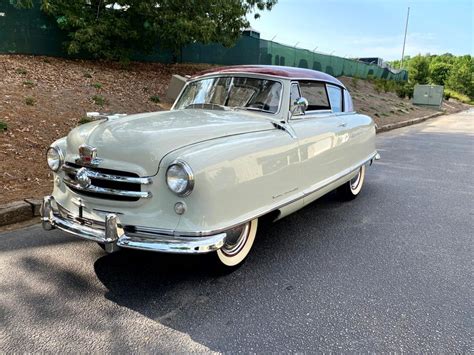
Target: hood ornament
(88, 156)
(97, 116)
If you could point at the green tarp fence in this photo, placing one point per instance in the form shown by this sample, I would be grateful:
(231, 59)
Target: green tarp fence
(32, 32)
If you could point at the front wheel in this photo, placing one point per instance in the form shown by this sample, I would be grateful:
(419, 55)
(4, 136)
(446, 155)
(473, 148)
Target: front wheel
(237, 245)
(351, 189)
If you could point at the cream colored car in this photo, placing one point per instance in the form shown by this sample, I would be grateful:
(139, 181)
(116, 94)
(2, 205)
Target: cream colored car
(239, 144)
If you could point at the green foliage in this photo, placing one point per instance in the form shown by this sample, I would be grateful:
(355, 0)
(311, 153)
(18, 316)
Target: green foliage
(99, 100)
(155, 99)
(355, 82)
(401, 91)
(455, 73)
(29, 83)
(439, 72)
(30, 101)
(461, 77)
(456, 95)
(418, 70)
(114, 30)
(97, 85)
(84, 120)
(3, 126)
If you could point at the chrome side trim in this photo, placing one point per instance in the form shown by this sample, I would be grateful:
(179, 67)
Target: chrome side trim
(106, 191)
(117, 178)
(283, 203)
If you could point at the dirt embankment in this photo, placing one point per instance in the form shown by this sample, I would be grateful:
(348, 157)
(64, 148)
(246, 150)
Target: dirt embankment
(42, 98)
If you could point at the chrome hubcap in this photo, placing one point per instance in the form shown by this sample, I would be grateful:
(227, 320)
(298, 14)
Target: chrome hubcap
(235, 240)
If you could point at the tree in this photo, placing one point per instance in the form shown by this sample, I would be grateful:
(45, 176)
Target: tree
(461, 76)
(439, 72)
(418, 70)
(114, 29)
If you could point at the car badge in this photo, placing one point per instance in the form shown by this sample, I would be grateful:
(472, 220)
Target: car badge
(82, 178)
(87, 155)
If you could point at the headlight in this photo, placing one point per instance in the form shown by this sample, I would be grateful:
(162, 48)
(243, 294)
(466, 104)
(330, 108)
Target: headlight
(179, 178)
(55, 158)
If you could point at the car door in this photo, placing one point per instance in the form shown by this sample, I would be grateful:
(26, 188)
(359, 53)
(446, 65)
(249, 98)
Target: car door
(355, 130)
(318, 134)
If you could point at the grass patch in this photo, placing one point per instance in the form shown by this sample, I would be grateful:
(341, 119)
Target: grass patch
(448, 93)
(97, 85)
(155, 99)
(99, 100)
(84, 120)
(3, 126)
(29, 83)
(21, 71)
(30, 101)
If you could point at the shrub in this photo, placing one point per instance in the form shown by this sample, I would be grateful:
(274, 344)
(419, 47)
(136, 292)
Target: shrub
(355, 82)
(400, 90)
(30, 101)
(378, 86)
(3, 126)
(84, 120)
(28, 83)
(21, 71)
(457, 96)
(97, 85)
(99, 100)
(155, 99)
(447, 95)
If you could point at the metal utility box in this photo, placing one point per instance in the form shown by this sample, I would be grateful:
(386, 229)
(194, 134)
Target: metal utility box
(430, 95)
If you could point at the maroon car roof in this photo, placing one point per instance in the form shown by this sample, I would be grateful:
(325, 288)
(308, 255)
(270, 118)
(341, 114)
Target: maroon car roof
(274, 70)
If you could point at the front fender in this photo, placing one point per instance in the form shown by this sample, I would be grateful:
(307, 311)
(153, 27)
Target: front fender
(237, 178)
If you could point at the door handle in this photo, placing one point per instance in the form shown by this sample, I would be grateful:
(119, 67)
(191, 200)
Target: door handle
(343, 125)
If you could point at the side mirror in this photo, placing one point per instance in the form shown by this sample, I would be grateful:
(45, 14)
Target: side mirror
(300, 104)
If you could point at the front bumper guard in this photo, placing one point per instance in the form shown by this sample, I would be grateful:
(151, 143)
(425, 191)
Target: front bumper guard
(112, 234)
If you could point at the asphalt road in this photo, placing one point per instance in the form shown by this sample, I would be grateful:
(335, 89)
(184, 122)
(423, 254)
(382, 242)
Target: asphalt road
(390, 271)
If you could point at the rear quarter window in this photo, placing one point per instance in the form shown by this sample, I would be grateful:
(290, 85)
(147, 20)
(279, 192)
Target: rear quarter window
(348, 105)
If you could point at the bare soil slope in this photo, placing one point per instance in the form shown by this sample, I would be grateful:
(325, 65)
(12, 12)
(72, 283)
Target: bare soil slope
(42, 98)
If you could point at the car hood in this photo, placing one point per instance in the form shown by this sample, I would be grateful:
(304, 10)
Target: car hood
(138, 142)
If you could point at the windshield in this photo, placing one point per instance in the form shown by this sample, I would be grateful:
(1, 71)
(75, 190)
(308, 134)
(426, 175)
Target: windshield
(232, 92)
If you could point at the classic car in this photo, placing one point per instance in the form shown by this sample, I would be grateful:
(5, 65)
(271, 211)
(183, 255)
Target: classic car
(239, 144)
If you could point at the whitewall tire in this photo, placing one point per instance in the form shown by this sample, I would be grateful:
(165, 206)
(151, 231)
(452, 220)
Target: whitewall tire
(351, 189)
(238, 244)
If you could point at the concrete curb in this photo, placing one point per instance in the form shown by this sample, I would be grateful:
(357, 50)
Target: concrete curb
(20, 211)
(413, 121)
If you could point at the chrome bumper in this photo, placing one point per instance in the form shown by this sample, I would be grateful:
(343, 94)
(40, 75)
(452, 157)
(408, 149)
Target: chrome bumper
(111, 233)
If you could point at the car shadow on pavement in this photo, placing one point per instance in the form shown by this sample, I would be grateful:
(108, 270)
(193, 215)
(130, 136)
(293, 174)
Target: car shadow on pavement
(185, 292)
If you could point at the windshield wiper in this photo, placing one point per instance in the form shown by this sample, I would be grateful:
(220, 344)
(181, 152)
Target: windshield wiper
(207, 106)
(250, 109)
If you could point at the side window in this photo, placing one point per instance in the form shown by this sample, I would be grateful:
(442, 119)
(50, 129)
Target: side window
(348, 106)
(335, 96)
(316, 95)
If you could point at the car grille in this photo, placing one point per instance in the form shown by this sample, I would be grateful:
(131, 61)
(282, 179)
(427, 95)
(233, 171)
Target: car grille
(105, 183)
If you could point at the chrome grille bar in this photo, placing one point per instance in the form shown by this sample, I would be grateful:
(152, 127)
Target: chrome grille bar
(101, 176)
(106, 191)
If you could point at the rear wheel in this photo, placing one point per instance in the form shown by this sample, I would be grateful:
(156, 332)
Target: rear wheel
(351, 189)
(237, 245)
